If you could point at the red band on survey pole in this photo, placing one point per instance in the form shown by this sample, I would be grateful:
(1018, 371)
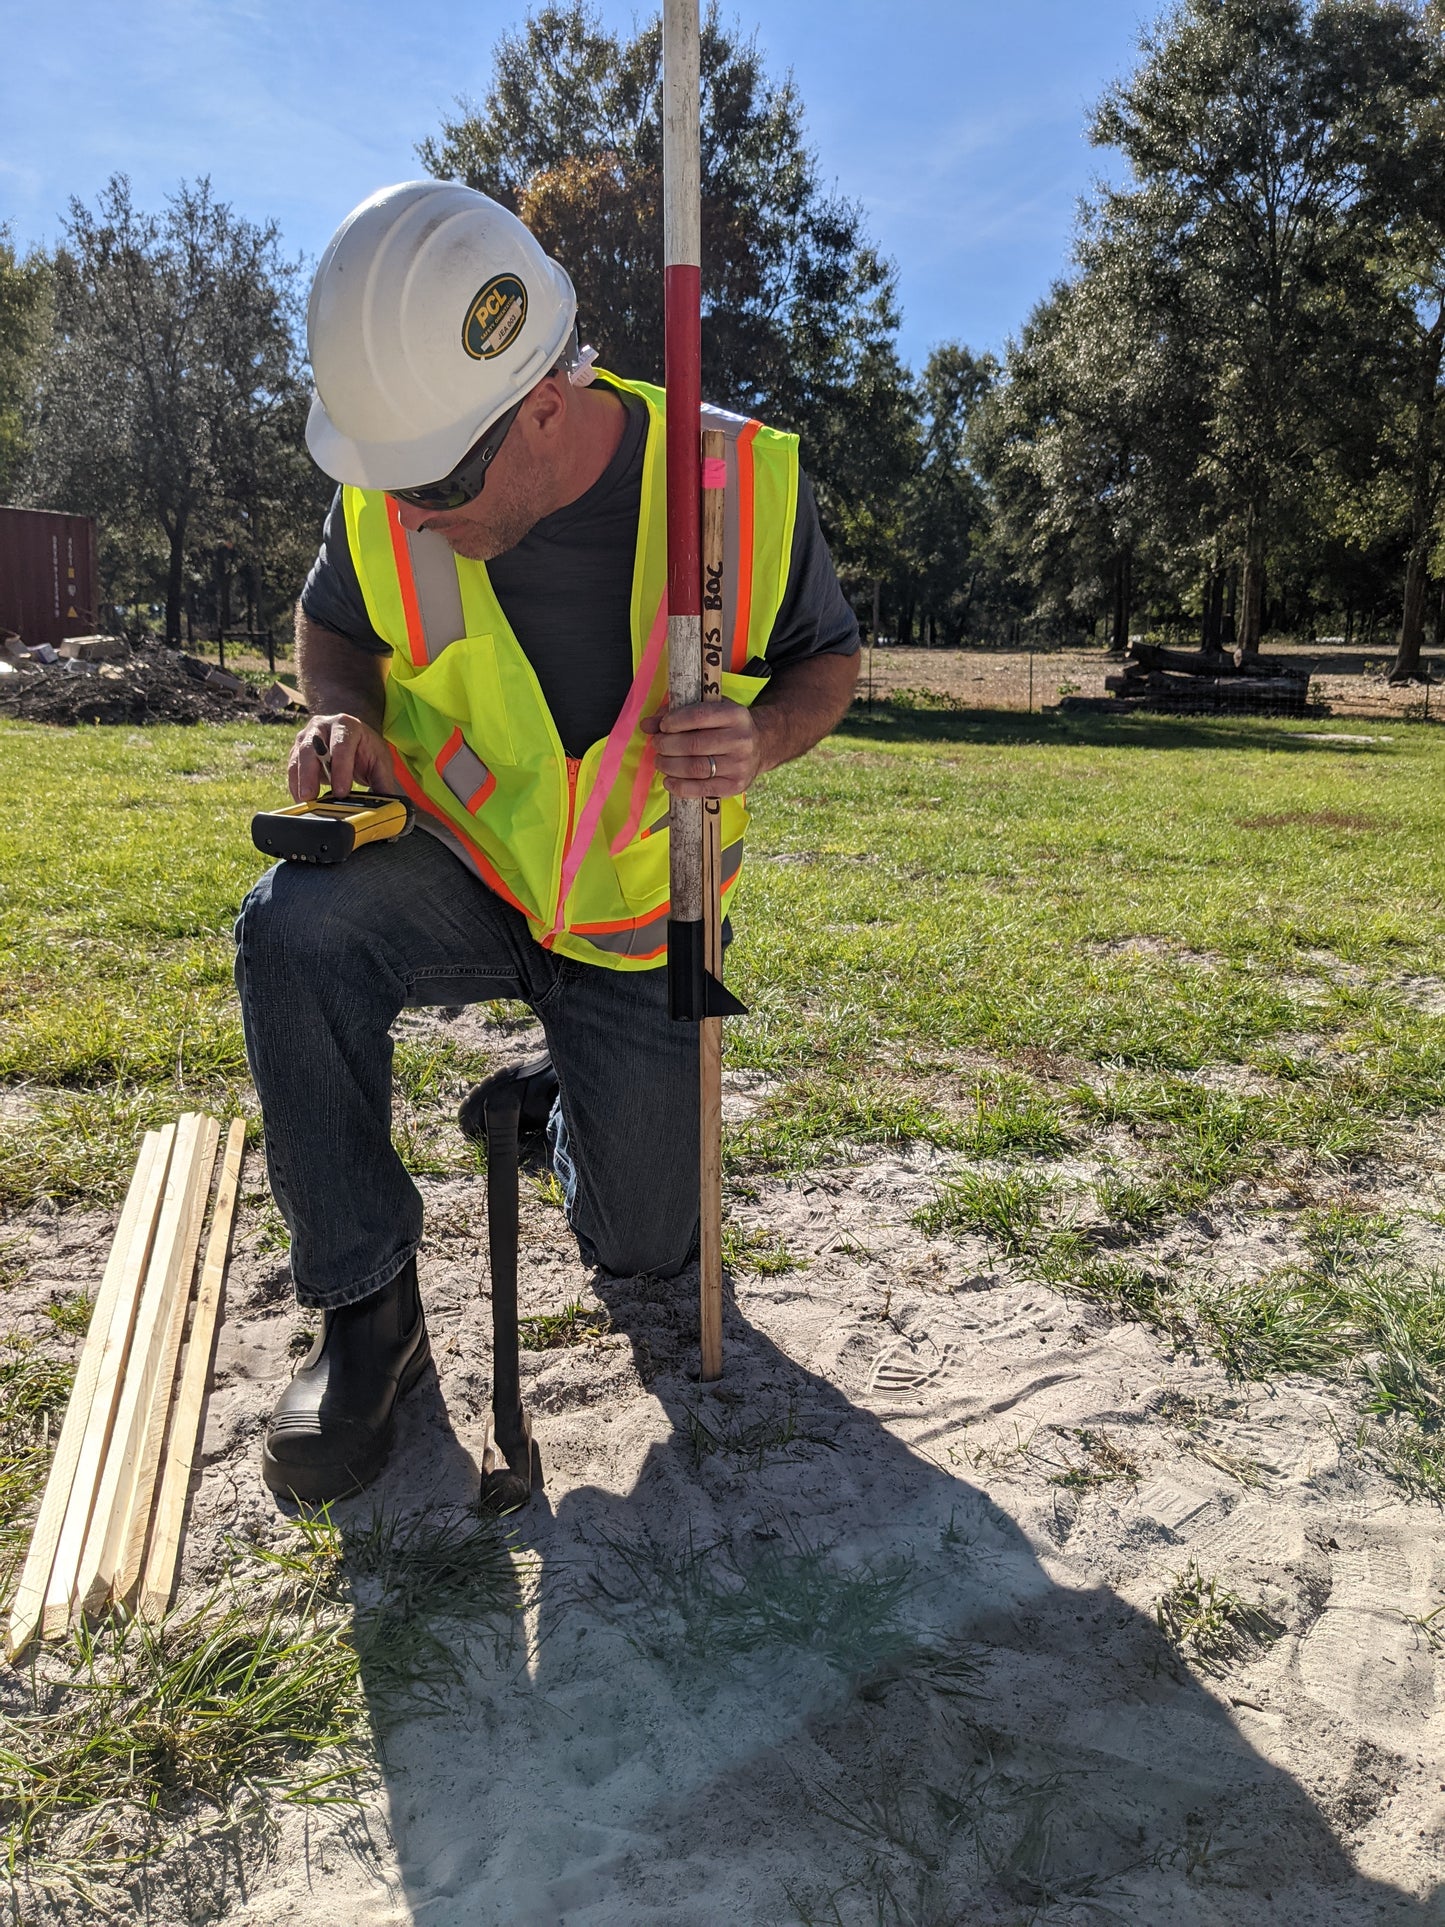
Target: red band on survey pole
(683, 341)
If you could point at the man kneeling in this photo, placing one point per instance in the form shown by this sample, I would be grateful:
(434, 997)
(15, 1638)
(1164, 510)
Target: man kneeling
(490, 645)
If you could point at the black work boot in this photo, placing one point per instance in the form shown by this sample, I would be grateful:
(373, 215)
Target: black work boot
(331, 1429)
(539, 1090)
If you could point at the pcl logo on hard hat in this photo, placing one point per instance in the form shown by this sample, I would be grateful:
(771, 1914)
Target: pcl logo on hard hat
(495, 317)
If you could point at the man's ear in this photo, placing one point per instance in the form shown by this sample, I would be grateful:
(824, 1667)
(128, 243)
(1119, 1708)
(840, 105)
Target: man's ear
(545, 409)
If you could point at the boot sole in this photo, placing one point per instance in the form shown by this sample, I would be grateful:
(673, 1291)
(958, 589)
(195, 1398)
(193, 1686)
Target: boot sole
(324, 1484)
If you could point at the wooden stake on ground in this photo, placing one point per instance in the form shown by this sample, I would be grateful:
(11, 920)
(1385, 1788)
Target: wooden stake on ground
(70, 1486)
(148, 1464)
(185, 1432)
(90, 1472)
(110, 1519)
(710, 1029)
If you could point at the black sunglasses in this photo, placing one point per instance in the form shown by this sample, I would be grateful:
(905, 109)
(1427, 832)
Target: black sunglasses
(468, 478)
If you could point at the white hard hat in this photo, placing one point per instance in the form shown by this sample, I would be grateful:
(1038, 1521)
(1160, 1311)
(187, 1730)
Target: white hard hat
(433, 310)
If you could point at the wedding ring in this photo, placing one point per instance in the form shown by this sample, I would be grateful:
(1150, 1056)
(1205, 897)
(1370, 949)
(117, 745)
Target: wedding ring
(711, 768)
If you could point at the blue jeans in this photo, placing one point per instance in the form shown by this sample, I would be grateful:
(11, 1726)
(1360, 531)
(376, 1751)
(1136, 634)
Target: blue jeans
(326, 958)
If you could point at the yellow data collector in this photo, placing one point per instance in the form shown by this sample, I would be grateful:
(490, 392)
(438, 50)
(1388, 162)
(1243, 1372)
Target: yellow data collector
(331, 828)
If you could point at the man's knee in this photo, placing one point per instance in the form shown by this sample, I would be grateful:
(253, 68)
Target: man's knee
(299, 917)
(636, 1254)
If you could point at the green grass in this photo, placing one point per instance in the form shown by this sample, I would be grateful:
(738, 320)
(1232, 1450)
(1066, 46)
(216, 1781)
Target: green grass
(974, 887)
(1004, 938)
(1210, 1626)
(753, 1440)
(763, 1252)
(574, 1324)
(717, 1602)
(1104, 1462)
(1011, 1115)
(267, 1692)
(34, 1387)
(968, 875)
(1006, 1208)
(71, 1314)
(1356, 1309)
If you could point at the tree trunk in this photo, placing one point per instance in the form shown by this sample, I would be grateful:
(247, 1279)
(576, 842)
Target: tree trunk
(1212, 628)
(175, 580)
(1424, 487)
(1123, 601)
(223, 604)
(1251, 591)
(1406, 666)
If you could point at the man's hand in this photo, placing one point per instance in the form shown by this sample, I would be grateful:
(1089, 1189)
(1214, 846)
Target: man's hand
(717, 749)
(708, 749)
(345, 690)
(349, 749)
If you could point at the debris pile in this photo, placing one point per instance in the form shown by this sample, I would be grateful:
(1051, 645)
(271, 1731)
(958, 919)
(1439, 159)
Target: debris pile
(1196, 683)
(105, 679)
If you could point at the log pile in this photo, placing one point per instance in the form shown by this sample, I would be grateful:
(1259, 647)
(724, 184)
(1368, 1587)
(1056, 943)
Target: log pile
(1193, 683)
(109, 1527)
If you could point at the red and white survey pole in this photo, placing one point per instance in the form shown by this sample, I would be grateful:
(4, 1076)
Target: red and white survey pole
(694, 540)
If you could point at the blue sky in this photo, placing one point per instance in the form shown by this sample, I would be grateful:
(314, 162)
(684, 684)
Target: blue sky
(960, 127)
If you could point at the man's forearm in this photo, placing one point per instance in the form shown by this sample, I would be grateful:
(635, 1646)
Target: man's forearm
(801, 704)
(336, 677)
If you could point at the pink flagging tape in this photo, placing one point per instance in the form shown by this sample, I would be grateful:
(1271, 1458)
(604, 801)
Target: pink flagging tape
(715, 472)
(610, 767)
(641, 786)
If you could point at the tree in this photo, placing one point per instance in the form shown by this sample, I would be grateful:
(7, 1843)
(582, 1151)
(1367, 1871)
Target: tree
(24, 297)
(1090, 443)
(1255, 130)
(171, 399)
(944, 512)
(1410, 261)
(799, 312)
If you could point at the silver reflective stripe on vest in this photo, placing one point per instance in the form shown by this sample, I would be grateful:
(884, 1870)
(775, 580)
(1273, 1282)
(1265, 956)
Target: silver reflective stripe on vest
(644, 939)
(438, 592)
(465, 775)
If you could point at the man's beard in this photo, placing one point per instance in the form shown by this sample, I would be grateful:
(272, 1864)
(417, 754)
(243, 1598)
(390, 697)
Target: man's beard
(512, 518)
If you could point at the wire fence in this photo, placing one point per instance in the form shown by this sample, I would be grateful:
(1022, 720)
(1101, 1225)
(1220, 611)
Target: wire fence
(1031, 681)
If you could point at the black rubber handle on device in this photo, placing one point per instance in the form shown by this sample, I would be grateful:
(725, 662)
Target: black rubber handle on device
(692, 991)
(503, 1112)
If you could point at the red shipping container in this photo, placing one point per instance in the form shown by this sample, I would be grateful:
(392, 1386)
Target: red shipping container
(48, 584)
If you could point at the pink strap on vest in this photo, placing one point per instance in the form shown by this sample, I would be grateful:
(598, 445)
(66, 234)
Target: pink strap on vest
(641, 787)
(610, 767)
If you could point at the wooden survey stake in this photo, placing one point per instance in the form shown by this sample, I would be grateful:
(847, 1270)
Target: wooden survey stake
(185, 1429)
(148, 1464)
(65, 1508)
(710, 1029)
(108, 1531)
(110, 1521)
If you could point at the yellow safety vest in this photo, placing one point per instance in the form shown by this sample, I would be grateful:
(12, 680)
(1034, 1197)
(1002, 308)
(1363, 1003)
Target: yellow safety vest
(578, 845)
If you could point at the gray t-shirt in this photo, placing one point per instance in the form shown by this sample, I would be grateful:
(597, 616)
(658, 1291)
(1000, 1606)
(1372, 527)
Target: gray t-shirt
(566, 589)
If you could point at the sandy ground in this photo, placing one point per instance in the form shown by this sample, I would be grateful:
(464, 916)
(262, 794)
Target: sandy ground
(706, 1716)
(1350, 682)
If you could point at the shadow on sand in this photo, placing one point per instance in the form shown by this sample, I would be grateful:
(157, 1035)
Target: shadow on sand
(790, 1669)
